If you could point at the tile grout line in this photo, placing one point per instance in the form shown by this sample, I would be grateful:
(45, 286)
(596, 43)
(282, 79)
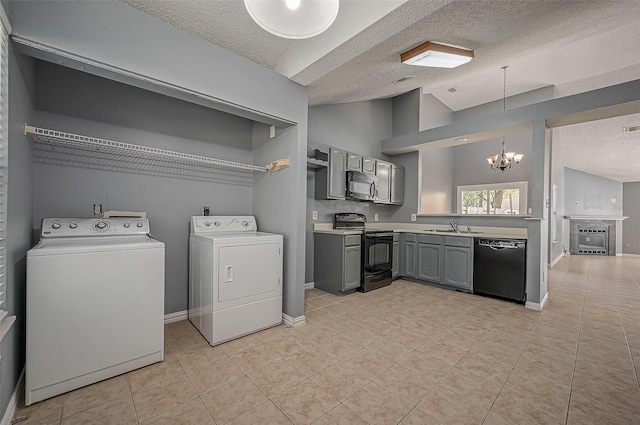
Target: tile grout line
(575, 359)
(625, 331)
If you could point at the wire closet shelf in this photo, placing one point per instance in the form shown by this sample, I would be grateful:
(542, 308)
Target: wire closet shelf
(57, 147)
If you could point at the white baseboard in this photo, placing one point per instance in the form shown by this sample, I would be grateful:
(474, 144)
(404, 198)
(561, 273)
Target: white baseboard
(13, 402)
(618, 254)
(537, 306)
(176, 317)
(293, 322)
(554, 262)
(624, 254)
(308, 285)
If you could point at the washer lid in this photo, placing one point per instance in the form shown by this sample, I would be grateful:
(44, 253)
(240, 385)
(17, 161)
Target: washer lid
(58, 246)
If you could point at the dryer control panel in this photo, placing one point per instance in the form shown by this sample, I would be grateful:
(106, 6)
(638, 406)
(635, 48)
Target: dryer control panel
(209, 224)
(78, 227)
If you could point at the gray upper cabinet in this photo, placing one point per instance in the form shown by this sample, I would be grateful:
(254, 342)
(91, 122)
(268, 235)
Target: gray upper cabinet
(397, 185)
(331, 180)
(354, 162)
(383, 185)
(368, 165)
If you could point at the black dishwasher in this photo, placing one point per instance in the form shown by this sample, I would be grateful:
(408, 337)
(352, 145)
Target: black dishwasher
(499, 268)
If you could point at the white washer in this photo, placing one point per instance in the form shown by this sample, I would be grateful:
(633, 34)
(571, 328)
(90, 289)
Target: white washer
(95, 303)
(235, 277)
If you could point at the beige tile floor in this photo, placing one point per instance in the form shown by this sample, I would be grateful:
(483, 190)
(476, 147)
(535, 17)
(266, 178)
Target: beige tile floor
(407, 353)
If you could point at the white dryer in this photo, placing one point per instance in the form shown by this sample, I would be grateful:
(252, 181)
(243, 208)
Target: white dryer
(235, 277)
(95, 303)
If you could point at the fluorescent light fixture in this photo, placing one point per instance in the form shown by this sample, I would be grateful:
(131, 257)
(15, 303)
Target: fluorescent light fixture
(437, 55)
(295, 19)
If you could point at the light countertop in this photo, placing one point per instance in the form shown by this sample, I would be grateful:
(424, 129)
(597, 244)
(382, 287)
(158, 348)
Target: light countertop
(431, 229)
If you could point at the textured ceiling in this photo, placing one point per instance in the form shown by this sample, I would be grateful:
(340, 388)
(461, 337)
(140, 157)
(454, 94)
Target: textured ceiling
(602, 148)
(573, 45)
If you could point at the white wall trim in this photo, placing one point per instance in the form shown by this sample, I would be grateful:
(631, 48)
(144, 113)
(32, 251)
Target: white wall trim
(176, 317)
(309, 285)
(13, 402)
(554, 262)
(624, 254)
(537, 306)
(293, 322)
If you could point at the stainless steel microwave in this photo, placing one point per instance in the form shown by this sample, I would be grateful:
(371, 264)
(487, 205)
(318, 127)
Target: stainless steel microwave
(360, 186)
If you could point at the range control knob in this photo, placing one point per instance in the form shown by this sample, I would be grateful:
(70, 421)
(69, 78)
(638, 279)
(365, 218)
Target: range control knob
(139, 224)
(101, 225)
(72, 225)
(126, 225)
(55, 226)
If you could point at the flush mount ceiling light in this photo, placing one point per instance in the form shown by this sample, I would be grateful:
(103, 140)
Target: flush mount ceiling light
(504, 160)
(437, 55)
(296, 19)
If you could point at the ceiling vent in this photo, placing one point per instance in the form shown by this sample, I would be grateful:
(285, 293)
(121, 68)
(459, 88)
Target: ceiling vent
(452, 90)
(630, 128)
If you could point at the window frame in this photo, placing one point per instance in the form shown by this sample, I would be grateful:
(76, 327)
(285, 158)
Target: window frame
(521, 185)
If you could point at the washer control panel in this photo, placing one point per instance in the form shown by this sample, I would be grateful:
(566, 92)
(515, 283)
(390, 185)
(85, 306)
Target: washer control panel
(209, 224)
(76, 227)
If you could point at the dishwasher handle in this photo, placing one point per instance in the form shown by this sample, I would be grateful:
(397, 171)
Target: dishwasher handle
(500, 245)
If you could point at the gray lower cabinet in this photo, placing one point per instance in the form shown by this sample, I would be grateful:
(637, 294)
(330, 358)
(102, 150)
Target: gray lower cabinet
(410, 253)
(446, 260)
(395, 265)
(458, 262)
(337, 262)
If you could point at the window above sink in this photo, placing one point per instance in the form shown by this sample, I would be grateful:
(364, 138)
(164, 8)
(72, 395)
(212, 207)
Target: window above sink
(493, 199)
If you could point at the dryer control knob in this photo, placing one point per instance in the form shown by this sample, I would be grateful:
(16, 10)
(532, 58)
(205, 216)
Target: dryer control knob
(139, 224)
(216, 223)
(126, 225)
(72, 225)
(55, 226)
(245, 223)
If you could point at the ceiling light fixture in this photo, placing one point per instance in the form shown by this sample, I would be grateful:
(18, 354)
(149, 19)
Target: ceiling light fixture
(295, 19)
(437, 55)
(504, 160)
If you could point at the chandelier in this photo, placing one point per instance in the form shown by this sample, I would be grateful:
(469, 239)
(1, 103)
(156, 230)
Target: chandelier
(504, 160)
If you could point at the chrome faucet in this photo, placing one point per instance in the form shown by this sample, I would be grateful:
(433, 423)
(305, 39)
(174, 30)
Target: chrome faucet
(453, 225)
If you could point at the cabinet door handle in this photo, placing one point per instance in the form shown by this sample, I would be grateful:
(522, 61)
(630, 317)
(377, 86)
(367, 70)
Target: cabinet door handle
(228, 273)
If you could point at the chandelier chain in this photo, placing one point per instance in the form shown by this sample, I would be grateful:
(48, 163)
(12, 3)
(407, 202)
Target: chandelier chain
(504, 89)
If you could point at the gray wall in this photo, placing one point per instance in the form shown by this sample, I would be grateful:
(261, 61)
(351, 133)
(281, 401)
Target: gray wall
(20, 217)
(89, 33)
(67, 102)
(631, 226)
(586, 194)
(517, 101)
(437, 193)
(433, 113)
(406, 113)
(557, 177)
(444, 169)
(355, 127)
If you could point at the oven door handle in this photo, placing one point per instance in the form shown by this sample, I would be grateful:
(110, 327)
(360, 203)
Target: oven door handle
(378, 235)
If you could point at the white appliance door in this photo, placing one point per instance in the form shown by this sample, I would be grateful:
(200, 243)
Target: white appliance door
(248, 270)
(87, 312)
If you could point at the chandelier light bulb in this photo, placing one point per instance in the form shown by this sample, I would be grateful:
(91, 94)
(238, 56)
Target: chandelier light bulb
(292, 4)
